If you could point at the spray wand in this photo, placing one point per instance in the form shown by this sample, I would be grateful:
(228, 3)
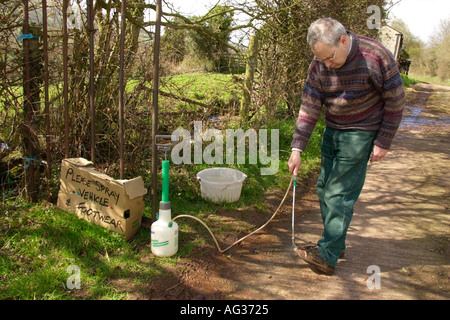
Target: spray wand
(294, 246)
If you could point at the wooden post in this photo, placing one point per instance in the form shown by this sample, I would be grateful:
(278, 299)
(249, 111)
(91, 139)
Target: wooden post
(156, 49)
(121, 86)
(90, 7)
(46, 97)
(66, 80)
(32, 80)
(30, 185)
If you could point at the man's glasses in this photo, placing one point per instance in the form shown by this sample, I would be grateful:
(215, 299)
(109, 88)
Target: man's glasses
(329, 59)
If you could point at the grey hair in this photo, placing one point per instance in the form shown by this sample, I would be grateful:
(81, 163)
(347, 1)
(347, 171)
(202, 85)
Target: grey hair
(326, 30)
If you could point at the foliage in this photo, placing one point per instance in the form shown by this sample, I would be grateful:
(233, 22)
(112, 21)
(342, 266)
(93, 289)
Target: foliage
(440, 46)
(173, 43)
(427, 59)
(407, 81)
(215, 49)
(203, 48)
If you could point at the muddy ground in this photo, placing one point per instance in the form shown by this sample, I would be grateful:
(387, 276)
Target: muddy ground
(397, 244)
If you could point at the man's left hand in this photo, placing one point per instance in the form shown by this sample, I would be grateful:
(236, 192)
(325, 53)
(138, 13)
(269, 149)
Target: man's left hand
(378, 153)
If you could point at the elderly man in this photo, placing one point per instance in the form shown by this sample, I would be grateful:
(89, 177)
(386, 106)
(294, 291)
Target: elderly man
(358, 82)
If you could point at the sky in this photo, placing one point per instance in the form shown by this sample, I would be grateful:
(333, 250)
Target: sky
(421, 16)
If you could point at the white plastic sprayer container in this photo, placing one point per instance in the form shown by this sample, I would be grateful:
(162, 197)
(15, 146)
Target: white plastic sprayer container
(164, 233)
(221, 184)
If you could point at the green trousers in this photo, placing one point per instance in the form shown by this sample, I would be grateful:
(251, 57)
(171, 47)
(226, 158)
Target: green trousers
(345, 154)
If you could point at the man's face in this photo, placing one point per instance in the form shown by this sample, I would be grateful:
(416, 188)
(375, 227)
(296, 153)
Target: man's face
(333, 57)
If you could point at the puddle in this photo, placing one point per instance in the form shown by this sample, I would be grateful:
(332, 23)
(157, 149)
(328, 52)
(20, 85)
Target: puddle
(413, 119)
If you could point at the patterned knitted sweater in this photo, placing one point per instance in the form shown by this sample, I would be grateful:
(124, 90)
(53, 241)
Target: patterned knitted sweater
(366, 93)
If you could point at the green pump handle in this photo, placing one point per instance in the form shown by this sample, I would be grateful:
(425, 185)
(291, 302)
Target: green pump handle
(165, 181)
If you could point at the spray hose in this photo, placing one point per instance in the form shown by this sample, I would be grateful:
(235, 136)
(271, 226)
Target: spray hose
(293, 179)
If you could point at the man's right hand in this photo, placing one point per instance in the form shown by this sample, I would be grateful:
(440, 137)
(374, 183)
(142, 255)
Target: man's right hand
(294, 162)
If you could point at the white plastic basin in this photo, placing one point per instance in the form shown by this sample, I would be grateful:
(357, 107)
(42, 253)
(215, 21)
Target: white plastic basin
(221, 184)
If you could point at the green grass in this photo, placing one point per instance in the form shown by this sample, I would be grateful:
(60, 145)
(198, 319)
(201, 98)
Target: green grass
(39, 243)
(433, 80)
(407, 81)
(208, 88)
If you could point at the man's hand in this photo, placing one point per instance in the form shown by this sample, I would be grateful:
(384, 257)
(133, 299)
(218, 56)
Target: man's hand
(294, 162)
(378, 153)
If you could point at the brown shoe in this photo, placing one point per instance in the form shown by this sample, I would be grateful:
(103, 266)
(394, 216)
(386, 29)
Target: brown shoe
(312, 256)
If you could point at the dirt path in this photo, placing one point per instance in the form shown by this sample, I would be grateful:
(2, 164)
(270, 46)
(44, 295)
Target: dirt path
(401, 229)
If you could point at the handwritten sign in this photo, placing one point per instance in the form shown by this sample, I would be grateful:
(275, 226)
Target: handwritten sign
(83, 209)
(97, 185)
(114, 204)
